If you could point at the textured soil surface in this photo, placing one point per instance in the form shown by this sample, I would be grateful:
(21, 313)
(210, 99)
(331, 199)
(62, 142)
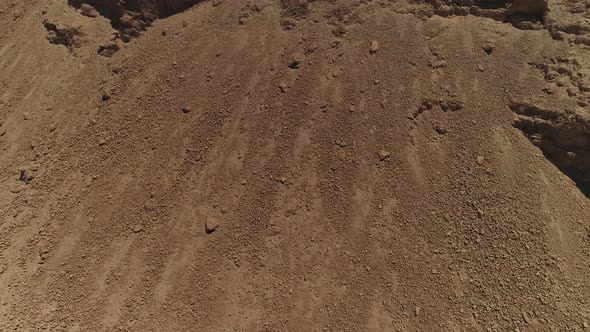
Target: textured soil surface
(291, 165)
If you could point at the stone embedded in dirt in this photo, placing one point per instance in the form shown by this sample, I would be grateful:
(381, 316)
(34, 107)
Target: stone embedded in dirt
(340, 143)
(243, 182)
(138, 228)
(383, 155)
(480, 160)
(374, 47)
(108, 50)
(26, 174)
(211, 225)
(283, 87)
(439, 129)
(489, 46)
(43, 249)
(106, 96)
(149, 206)
(102, 142)
(479, 213)
(294, 64)
(185, 109)
(88, 10)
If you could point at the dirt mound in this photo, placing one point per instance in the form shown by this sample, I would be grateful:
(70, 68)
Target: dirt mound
(275, 165)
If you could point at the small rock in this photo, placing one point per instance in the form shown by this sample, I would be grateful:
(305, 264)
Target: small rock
(489, 46)
(211, 225)
(480, 160)
(439, 129)
(283, 87)
(26, 174)
(88, 10)
(526, 318)
(149, 206)
(384, 155)
(585, 325)
(243, 182)
(138, 228)
(480, 67)
(417, 311)
(283, 180)
(479, 213)
(374, 47)
(106, 96)
(340, 143)
(102, 142)
(185, 109)
(26, 116)
(43, 249)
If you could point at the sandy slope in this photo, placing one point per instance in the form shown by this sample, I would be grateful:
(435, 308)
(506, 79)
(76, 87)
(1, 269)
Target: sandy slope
(346, 197)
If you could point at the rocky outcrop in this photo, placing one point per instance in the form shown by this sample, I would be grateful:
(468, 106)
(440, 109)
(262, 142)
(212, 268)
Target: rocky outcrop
(564, 138)
(132, 16)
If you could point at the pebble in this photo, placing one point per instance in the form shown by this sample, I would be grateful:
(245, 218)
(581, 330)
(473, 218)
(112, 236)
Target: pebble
(185, 109)
(138, 228)
(374, 47)
(439, 129)
(489, 46)
(480, 213)
(384, 155)
(283, 87)
(102, 142)
(211, 225)
(26, 174)
(480, 160)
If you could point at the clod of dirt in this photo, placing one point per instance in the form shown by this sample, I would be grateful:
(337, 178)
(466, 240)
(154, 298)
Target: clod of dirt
(480, 160)
(43, 250)
(63, 35)
(26, 174)
(383, 155)
(108, 50)
(489, 47)
(295, 8)
(211, 225)
(374, 47)
(283, 87)
(88, 10)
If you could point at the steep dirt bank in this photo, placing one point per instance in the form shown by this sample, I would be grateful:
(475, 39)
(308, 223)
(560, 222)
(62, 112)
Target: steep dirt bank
(250, 166)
